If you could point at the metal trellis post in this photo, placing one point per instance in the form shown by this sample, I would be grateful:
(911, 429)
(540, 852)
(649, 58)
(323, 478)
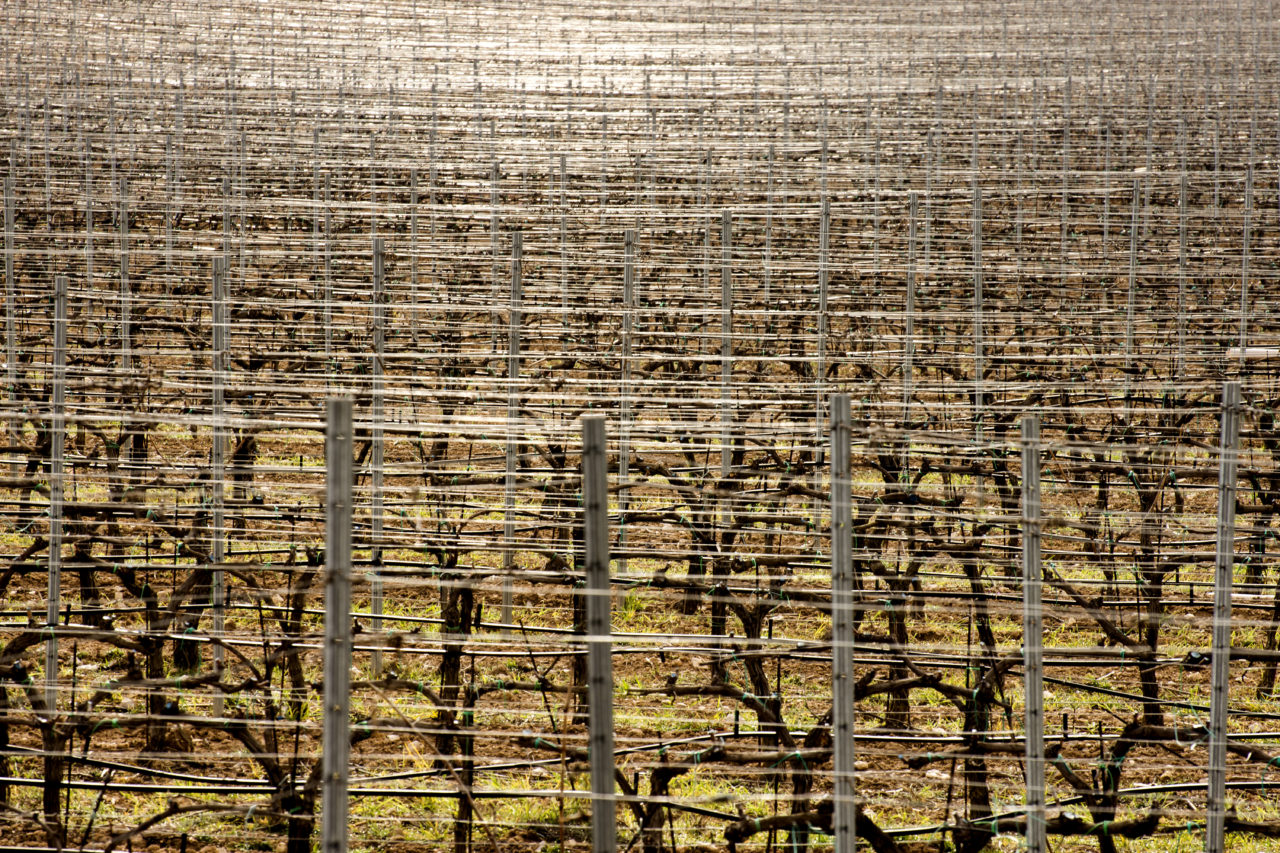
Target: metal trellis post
(842, 708)
(10, 309)
(1033, 634)
(218, 533)
(513, 423)
(595, 501)
(1228, 448)
(57, 435)
(376, 450)
(726, 342)
(624, 430)
(337, 625)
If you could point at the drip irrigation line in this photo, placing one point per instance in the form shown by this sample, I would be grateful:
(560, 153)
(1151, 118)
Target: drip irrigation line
(1140, 791)
(1171, 703)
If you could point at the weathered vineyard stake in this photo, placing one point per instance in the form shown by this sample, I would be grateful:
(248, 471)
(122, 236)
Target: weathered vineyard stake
(218, 534)
(513, 425)
(842, 709)
(595, 502)
(337, 625)
(376, 450)
(57, 437)
(1228, 448)
(1032, 633)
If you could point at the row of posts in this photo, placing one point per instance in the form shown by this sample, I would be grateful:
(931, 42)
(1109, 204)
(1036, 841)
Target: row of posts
(338, 598)
(338, 595)
(338, 638)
